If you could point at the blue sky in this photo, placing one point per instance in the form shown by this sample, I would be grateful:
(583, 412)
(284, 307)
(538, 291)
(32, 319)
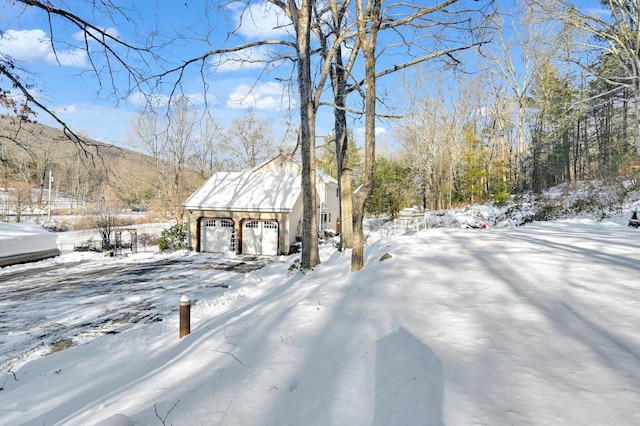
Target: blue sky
(65, 84)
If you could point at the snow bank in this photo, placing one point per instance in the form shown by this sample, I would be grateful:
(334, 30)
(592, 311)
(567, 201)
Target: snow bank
(24, 242)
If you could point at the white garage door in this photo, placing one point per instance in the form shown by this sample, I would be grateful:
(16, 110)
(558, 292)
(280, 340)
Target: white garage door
(216, 235)
(260, 237)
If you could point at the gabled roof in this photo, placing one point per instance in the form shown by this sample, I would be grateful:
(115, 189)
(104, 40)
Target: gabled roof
(247, 191)
(281, 158)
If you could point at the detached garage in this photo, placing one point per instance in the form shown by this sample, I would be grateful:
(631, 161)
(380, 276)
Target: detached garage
(260, 237)
(250, 213)
(216, 235)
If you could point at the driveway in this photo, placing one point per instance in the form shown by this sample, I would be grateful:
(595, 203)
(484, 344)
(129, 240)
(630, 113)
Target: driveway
(51, 306)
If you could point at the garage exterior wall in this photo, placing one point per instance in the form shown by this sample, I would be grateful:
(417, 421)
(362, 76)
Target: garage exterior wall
(295, 222)
(326, 189)
(286, 232)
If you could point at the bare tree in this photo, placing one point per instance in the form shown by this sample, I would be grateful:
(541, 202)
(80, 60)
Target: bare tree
(368, 22)
(520, 51)
(107, 54)
(423, 136)
(333, 34)
(301, 19)
(616, 37)
(104, 222)
(248, 141)
(207, 158)
(20, 199)
(167, 137)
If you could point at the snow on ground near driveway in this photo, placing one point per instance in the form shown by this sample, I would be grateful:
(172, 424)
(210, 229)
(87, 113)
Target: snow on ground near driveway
(73, 299)
(536, 325)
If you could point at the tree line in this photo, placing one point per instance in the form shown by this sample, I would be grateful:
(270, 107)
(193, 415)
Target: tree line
(553, 99)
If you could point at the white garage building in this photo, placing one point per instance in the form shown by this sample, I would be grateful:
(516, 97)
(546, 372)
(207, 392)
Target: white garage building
(258, 211)
(250, 213)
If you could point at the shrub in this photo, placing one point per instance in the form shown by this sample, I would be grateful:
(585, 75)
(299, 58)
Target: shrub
(174, 238)
(299, 266)
(547, 212)
(501, 198)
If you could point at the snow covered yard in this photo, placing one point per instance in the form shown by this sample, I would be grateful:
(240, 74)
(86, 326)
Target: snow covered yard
(535, 325)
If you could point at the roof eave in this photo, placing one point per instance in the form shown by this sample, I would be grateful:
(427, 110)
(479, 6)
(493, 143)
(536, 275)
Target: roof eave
(240, 209)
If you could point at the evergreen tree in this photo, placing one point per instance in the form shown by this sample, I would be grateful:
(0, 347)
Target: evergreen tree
(393, 189)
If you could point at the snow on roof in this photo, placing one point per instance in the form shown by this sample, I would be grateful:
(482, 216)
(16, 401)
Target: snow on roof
(247, 191)
(284, 158)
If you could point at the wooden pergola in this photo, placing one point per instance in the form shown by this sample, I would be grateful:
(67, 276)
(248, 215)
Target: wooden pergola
(133, 232)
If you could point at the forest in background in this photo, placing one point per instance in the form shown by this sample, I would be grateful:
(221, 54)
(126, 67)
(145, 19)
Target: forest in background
(538, 106)
(553, 99)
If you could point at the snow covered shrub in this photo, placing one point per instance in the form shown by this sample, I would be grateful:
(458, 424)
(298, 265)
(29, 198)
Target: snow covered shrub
(585, 205)
(299, 266)
(174, 238)
(547, 212)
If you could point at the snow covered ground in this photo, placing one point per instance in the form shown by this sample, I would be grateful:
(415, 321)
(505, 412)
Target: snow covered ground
(531, 325)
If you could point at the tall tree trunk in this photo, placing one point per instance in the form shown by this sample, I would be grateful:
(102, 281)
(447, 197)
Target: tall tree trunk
(637, 117)
(345, 188)
(301, 18)
(342, 154)
(338, 73)
(368, 45)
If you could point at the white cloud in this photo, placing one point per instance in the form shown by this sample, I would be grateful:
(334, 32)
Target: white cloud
(380, 131)
(199, 98)
(381, 137)
(242, 60)
(266, 97)
(262, 20)
(35, 45)
(74, 58)
(26, 45)
(142, 100)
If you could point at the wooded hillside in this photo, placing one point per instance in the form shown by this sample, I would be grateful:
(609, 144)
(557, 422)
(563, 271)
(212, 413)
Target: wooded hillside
(85, 179)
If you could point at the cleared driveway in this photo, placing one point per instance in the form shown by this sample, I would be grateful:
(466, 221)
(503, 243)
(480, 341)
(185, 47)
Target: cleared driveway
(50, 306)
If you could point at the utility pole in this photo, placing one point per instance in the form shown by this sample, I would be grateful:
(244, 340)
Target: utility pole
(49, 204)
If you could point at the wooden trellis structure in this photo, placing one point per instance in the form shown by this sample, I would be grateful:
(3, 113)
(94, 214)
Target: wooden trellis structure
(119, 245)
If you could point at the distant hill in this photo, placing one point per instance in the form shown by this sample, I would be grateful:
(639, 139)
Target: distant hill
(41, 139)
(87, 173)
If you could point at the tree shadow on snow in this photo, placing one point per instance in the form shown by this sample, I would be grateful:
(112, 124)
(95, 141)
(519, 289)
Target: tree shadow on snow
(409, 382)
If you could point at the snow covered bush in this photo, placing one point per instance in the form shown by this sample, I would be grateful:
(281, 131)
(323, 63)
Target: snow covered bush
(174, 238)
